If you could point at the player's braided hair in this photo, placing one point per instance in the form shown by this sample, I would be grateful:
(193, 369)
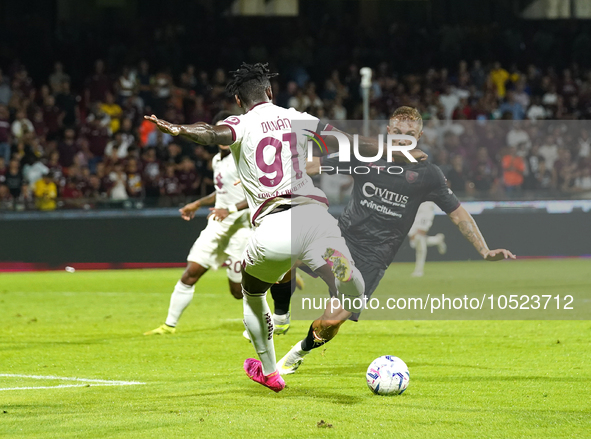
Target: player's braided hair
(250, 81)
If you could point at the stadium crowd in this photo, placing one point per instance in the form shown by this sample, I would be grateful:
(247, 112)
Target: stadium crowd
(496, 131)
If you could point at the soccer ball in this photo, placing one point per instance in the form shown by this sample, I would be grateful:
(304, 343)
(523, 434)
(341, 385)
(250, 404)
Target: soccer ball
(387, 375)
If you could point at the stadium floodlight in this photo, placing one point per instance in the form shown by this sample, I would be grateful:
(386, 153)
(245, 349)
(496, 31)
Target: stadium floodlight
(365, 86)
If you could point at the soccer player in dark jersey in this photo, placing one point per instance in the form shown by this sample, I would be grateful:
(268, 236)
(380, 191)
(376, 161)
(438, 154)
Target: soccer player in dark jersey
(381, 211)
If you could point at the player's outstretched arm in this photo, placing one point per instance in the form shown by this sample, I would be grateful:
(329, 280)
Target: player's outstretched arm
(221, 213)
(462, 218)
(199, 132)
(188, 211)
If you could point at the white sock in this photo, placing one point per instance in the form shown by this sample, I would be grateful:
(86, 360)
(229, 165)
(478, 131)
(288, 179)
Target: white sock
(433, 240)
(180, 299)
(421, 252)
(259, 325)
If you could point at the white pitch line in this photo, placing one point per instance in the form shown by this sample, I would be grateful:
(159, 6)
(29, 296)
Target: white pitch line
(95, 382)
(85, 380)
(61, 386)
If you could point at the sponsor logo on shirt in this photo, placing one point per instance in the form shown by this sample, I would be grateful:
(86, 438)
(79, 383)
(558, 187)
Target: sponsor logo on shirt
(370, 190)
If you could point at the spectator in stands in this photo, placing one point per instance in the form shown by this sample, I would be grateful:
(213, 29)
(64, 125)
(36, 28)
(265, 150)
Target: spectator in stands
(135, 186)
(45, 192)
(97, 136)
(582, 182)
(449, 101)
(67, 102)
(4, 133)
(117, 147)
(5, 89)
(14, 178)
(58, 77)
(55, 168)
(174, 153)
(499, 77)
(564, 170)
(97, 85)
(72, 196)
(457, 177)
(170, 186)
(126, 85)
(151, 175)
(6, 198)
(481, 182)
(537, 111)
(532, 165)
(158, 139)
(513, 170)
(113, 110)
(543, 177)
(21, 125)
(188, 177)
(549, 150)
(52, 117)
(511, 106)
(118, 189)
(67, 148)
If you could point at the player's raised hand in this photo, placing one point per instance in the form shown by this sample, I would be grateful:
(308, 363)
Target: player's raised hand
(164, 126)
(188, 211)
(499, 255)
(419, 155)
(218, 214)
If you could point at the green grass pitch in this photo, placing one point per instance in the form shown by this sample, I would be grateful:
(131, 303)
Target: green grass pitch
(493, 379)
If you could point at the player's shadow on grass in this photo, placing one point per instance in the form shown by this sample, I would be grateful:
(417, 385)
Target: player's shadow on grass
(293, 391)
(315, 392)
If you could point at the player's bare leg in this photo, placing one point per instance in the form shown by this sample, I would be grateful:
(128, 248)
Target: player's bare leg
(181, 298)
(235, 289)
(343, 282)
(420, 242)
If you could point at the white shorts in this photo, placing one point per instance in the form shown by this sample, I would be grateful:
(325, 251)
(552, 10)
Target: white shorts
(221, 244)
(300, 233)
(424, 218)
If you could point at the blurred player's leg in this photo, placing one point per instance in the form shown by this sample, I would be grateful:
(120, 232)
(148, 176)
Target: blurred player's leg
(180, 299)
(419, 242)
(439, 241)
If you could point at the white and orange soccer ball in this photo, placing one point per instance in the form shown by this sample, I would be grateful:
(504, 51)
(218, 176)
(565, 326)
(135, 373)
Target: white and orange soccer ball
(387, 375)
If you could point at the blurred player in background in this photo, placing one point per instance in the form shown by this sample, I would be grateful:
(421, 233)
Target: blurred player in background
(419, 239)
(221, 243)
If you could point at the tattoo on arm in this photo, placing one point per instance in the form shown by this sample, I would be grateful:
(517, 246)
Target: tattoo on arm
(200, 132)
(471, 232)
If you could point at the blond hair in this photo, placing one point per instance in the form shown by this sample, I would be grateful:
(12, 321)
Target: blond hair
(407, 114)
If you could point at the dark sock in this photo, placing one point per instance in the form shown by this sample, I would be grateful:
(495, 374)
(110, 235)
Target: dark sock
(282, 297)
(310, 341)
(308, 270)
